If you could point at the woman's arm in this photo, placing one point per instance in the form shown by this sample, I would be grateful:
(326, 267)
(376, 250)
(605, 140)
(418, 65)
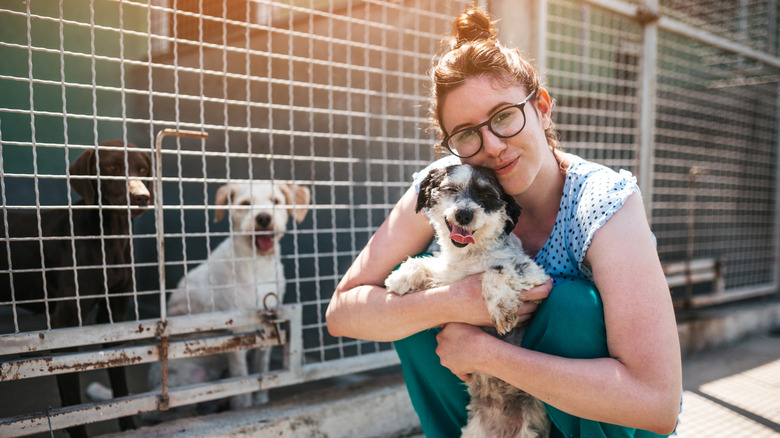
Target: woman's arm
(639, 385)
(361, 307)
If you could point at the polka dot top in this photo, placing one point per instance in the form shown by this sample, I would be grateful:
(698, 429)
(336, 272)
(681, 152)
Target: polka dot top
(592, 193)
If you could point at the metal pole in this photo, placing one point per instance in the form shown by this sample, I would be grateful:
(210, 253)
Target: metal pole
(162, 332)
(647, 92)
(158, 203)
(776, 276)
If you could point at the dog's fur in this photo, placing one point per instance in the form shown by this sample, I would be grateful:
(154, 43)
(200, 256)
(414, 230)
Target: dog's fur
(94, 231)
(473, 219)
(240, 273)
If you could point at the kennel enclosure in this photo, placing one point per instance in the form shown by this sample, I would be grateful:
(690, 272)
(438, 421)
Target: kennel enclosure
(332, 95)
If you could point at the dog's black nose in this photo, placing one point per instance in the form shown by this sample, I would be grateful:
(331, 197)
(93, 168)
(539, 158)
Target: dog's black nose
(142, 200)
(464, 217)
(263, 220)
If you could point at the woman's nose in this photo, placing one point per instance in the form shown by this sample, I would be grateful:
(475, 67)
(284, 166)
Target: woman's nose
(492, 144)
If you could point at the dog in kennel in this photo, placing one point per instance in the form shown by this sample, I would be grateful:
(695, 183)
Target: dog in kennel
(244, 271)
(473, 219)
(66, 262)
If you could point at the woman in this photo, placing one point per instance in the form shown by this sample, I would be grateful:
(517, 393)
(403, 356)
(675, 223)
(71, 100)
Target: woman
(602, 350)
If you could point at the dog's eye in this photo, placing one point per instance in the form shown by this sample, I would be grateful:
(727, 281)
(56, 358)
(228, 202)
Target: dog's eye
(244, 203)
(143, 171)
(112, 169)
(277, 201)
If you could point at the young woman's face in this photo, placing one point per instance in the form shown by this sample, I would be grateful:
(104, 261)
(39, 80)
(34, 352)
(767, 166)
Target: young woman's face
(516, 160)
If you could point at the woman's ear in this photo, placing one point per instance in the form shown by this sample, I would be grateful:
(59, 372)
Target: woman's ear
(544, 107)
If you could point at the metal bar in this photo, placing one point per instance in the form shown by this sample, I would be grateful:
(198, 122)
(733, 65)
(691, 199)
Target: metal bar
(618, 7)
(541, 41)
(695, 265)
(77, 362)
(158, 202)
(693, 278)
(734, 295)
(62, 418)
(641, 14)
(145, 402)
(776, 277)
(690, 235)
(162, 328)
(124, 356)
(687, 31)
(127, 331)
(294, 347)
(350, 365)
(181, 396)
(76, 336)
(647, 109)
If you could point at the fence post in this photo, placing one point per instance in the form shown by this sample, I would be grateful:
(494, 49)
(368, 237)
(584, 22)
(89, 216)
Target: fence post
(776, 276)
(523, 24)
(647, 89)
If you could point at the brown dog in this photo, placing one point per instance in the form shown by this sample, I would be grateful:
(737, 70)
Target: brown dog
(100, 228)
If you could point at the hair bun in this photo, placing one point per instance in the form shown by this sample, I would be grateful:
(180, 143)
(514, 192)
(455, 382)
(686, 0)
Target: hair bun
(472, 25)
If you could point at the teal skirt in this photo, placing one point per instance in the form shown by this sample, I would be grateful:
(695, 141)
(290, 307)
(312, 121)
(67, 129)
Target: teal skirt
(569, 323)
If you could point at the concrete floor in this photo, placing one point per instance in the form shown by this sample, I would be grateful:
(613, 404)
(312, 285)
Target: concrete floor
(734, 391)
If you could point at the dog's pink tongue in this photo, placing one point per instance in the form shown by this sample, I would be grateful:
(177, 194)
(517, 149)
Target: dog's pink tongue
(265, 242)
(460, 235)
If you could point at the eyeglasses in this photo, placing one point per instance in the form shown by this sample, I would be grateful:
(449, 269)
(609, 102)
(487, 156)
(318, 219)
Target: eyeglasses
(507, 122)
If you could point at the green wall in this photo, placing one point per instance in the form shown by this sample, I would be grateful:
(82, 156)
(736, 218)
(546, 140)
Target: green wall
(63, 42)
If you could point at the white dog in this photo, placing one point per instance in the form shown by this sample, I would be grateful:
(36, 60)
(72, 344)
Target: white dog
(241, 273)
(473, 218)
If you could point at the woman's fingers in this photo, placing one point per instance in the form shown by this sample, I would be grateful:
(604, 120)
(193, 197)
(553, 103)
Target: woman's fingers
(539, 292)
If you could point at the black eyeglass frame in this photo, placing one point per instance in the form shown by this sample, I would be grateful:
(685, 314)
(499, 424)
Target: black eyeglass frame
(478, 128)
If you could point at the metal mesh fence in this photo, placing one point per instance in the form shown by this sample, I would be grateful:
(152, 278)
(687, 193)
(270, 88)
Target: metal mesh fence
(593, 74)
(329, 96)
(714, 177)
(752, 23)
(715, 159)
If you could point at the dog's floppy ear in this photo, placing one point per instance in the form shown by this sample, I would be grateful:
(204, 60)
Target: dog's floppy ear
(298, 196)
(223, 196)
(85, 165)
(513, 210)
(148, 162)
(431, 181)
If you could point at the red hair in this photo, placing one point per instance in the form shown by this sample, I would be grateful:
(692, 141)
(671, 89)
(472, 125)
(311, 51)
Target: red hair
(476, 51)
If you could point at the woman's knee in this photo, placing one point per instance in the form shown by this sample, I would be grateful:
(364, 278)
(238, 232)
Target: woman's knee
(569, 323)
(576, 299)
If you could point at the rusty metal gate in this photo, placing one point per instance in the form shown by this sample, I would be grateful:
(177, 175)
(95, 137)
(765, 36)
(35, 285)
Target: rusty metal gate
(330, 96)
(325, 95)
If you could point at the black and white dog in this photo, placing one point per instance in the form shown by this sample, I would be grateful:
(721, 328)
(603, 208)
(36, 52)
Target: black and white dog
(473, 218)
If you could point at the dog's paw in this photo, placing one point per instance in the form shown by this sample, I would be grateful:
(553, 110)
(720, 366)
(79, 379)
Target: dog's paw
(399, 283)
(503, 289)
(411, 276)
(505, 315)
(98, 392)
(260, 398)
(240, 401)
(503, 299)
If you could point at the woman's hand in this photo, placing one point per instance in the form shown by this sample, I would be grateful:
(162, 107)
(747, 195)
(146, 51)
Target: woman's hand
(459, 343)
(470, 306)
(458, 348)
